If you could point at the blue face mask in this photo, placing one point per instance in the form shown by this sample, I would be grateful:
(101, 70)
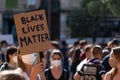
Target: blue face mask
(3, 49)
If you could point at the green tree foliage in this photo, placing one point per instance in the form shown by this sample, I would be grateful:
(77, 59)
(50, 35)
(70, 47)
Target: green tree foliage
(97, 8)
(81, 21)
(113, 5)
(87, 21)
(78, 21)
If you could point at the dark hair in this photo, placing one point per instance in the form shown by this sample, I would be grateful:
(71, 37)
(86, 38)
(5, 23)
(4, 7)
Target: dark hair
(57, 52)
(64, 43)
(83, 42)
(55, 44)
(10, 51)
(76, 43)
(115, 42)
(87, 47)
(96, 50)
(3, 42)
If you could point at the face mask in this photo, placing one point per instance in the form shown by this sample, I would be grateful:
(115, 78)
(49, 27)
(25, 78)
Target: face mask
(56, 63)
(15, 59)
(3, 49)
(29, 58)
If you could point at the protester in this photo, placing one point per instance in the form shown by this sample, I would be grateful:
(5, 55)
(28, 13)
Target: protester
(54, 45)
(105, 52)
(74, 62)
(78, 55)
(64, 49)
(93, 70)
(11, 75)
(3, 48)
(83, 43)
(69, 50)
(31, 70)
(114, 61)
(111, 44)
(76, 46)
(56, 71)
(87, 52)
(11, 59)
(75, 59)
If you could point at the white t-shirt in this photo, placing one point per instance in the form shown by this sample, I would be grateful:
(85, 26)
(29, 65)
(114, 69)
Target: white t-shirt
(81, 64)
(27, 77)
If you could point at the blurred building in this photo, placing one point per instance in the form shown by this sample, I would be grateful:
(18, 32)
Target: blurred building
(66, 7)
(56, 10)
(10, 7)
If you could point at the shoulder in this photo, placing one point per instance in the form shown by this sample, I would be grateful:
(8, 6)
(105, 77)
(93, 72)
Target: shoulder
(107, 76)
(79, 66)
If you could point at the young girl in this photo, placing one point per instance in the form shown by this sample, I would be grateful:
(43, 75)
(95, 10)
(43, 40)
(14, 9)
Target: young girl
(31, 70)
(56, 71)
(11, 58)
(114, 61)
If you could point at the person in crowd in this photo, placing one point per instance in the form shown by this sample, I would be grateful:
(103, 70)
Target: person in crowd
(83, 43)
(31, 70)
(93, 69)
(56, 70)
(78, 55)
(54, 45)
(115, 42)
(87, 52)
(111, 44)
(11, 59)
(69, 50)
(11, 75)
(74, 49)
(114, 61)
(75, 59)
(64, 49)
(105, 52)
(3, 48)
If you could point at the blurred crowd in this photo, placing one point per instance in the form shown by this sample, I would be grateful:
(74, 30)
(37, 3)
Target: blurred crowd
(79, 61)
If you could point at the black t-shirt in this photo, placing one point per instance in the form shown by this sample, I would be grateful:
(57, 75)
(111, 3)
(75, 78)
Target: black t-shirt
(92, 70)
(49, 75)
(105, 63)
(3, 57)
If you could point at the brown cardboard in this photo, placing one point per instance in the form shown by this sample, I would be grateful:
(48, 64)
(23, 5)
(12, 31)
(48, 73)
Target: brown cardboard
(32, 31)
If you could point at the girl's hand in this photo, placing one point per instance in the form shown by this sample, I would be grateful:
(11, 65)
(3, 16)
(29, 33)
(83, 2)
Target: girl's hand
(37, 69)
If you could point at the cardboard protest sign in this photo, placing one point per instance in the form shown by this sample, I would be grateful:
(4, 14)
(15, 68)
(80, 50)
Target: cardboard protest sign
(32, 31)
